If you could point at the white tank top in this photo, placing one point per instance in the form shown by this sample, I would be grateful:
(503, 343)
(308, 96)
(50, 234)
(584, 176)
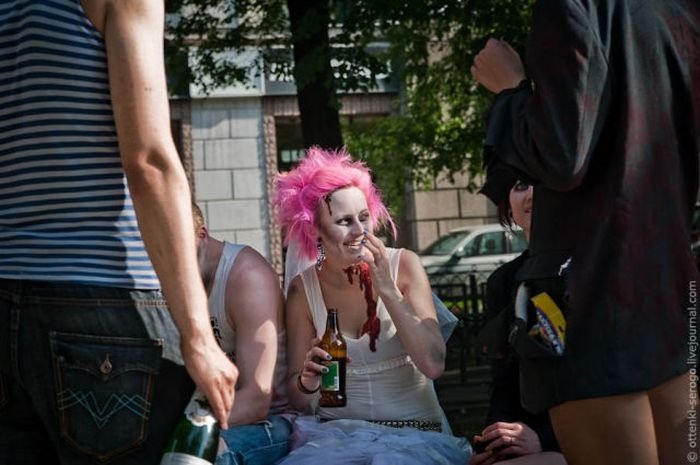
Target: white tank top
(226, 335)
(381, 385)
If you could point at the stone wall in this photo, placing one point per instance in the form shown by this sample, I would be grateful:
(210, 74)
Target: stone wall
(229, 169)
(447, 205)
(234, 154)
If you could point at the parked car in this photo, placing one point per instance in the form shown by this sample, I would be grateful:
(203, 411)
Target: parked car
(473, 249)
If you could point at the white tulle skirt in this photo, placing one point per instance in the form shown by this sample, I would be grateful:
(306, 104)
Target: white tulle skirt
(357, 442)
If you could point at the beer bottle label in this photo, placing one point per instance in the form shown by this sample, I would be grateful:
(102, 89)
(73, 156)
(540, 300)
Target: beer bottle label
(331, 381)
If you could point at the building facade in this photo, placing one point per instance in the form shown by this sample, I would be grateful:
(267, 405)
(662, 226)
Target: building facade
(234, 140)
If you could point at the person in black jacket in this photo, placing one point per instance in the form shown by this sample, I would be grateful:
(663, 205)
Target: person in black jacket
(608, 131)
(510, 430)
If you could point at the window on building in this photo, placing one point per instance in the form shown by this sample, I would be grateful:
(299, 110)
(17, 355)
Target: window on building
(290, 144)
(290, 157)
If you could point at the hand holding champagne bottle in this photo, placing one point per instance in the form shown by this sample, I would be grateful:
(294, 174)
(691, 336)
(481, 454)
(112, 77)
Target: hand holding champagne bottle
(211, 370)
(196, 437)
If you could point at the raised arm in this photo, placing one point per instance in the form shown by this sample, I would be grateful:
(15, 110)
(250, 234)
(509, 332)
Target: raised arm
(498, 67)
(549, 133)
(409, 302)
(133, 33)
(254, 307)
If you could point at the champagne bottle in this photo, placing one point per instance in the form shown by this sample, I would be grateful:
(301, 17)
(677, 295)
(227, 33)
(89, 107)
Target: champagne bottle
(333, 381)
(196, 437)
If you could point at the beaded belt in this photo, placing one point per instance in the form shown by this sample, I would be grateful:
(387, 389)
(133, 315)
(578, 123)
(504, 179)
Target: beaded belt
(417, 424)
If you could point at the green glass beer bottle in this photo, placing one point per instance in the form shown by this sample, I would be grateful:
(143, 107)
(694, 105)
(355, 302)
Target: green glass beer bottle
(333, 381)
(196, 437)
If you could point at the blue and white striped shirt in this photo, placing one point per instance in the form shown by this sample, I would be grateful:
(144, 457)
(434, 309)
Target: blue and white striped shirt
(65, 210)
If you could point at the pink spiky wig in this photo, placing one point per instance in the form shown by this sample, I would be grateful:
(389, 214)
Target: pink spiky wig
(319, 174)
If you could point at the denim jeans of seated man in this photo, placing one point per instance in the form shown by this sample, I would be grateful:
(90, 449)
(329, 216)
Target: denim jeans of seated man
(262, 443)
(84, 376)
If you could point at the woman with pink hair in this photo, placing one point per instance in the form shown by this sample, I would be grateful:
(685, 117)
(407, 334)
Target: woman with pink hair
(330, 210)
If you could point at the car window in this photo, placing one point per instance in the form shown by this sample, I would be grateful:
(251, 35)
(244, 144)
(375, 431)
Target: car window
(471, 248)
(490, 243)
(518, 243)
(446, 244)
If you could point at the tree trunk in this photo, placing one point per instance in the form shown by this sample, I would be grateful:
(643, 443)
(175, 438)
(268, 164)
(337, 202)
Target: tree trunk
(318, 103)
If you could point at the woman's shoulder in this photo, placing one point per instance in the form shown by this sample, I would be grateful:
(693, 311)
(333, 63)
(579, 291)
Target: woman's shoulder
(297, 290)
(407, 263)
(403, 255)
(501, 285)
(507, 271)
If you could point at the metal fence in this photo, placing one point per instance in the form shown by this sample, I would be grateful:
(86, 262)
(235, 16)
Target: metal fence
(464, 294)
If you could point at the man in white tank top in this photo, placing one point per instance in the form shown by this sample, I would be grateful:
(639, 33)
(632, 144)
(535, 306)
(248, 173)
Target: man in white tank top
(246, 308)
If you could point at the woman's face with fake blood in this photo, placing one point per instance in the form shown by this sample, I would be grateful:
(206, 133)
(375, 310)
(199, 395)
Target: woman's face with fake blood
(342, 219)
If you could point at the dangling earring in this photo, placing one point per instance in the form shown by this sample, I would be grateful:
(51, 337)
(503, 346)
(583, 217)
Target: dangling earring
(321, 255)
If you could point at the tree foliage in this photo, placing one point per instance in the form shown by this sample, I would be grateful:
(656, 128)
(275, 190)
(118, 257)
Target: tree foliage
(439, 123)
(215, 27)
(206, 30)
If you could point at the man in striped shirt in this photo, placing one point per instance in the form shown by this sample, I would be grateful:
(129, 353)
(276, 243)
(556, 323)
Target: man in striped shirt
(94, 220)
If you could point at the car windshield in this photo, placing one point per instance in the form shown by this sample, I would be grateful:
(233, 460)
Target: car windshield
(446, 244)
(519, 242)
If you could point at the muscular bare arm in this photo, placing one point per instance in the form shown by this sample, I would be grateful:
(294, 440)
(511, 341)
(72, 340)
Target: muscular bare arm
(254, 307)
(133, 33)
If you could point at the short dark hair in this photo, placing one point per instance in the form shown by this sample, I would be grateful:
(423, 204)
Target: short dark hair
(505, 214)
(504, 209)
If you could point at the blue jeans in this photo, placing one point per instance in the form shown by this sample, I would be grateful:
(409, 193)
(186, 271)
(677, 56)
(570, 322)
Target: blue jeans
(262, 443)
(82, 375)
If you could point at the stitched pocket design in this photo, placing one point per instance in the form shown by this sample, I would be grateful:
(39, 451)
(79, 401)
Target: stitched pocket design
(103, 390)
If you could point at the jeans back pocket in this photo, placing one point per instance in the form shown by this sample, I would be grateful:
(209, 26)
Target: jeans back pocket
(104, 387)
